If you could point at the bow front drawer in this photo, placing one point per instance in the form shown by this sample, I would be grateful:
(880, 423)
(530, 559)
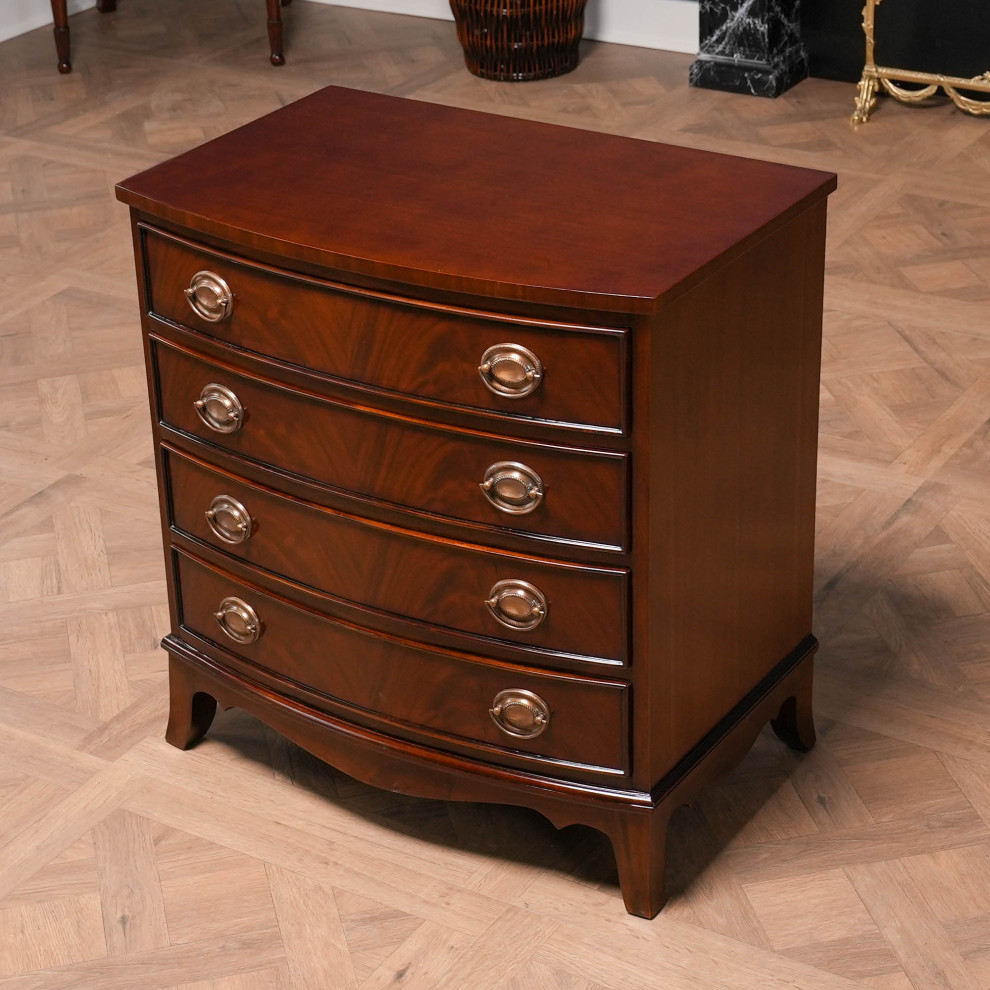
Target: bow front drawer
(528, 602)
(558, 493)
(455, 698)
(549, 372)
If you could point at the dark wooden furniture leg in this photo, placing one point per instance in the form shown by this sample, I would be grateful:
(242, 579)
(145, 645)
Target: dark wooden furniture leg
(639, 836)
(794, 724)
(690, 571)
(61, 29)
(639, 842)
(191, 711)
(61, 32)
(275, 31)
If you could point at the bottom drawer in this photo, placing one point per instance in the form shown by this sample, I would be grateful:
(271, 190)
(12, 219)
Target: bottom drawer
(499, 708)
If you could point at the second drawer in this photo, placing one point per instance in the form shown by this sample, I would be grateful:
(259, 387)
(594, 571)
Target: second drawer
(525, 601)
(562, 494)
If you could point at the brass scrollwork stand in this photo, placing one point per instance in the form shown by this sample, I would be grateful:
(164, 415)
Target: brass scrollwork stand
(875, 76)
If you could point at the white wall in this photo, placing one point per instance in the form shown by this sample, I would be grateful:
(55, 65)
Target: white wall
(671, 25)
(18, 16)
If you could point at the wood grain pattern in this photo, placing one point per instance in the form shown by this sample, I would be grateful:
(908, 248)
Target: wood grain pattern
(906, 334)
(365, 338)
(377, 678)
(742, 493)
(585, 617)
(749, 498)
(629, 263)
(412, 464)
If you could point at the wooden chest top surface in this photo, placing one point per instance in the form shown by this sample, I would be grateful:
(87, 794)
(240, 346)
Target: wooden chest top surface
(450, 199)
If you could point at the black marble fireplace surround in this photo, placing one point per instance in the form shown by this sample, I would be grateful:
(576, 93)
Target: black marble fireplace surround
(750, 46)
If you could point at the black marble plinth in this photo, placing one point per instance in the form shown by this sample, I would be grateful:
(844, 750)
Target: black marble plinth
(750, 46)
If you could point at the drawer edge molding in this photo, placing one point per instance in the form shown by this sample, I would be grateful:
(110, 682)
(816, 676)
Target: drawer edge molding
(172, 450)
(393, 728)
(465, 655)
(352, 503)
(330, 312)
(234, 689)
(282, 425)
(381, 690)
(376, 396)
(429, 633)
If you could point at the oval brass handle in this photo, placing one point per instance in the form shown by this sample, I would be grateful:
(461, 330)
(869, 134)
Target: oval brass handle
(511, 370)
(210, 297)
(513, 487)
(517, 604)
(219, 408)
(229, 519)
(520, 713)
(238, 620)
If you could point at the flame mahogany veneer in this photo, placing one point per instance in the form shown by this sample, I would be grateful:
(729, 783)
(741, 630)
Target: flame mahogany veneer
(647, 324)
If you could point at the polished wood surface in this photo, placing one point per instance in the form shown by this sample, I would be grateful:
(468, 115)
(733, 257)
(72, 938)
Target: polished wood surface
(371, 563)
(861, 864)
(363, 337)
(401, 461)
(722, 394)
(637, 828)
(735, 377)
(60, 16)
(435, 216)
(442, 698)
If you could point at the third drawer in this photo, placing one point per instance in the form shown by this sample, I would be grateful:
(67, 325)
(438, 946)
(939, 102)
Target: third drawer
(573, 610)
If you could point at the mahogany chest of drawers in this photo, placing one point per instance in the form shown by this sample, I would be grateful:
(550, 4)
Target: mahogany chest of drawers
(487, 452)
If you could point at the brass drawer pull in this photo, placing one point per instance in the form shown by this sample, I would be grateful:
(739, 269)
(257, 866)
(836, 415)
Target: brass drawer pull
(511, 370)
(238, 620)
(219, 408)
(229, 520)
(517, 604)
(520, 713)
(513, 487)
(210, 297)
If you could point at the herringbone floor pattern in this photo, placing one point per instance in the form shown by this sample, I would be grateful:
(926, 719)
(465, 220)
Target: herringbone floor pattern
(245, 864)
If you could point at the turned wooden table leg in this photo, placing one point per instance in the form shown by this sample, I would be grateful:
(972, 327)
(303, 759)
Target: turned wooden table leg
(190, 711)
(61, 31)
(275, 32)
(639, 841)
(794, 724)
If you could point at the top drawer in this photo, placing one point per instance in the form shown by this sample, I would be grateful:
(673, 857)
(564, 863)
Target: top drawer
(548, 372)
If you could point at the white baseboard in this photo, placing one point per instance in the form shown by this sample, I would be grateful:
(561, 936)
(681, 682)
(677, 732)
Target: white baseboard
(20, 16)
(670, 25)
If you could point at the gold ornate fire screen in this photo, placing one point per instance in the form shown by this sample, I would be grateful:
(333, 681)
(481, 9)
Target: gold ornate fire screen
(875, 76)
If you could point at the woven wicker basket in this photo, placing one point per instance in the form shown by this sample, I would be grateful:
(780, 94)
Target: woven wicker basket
(519, 39)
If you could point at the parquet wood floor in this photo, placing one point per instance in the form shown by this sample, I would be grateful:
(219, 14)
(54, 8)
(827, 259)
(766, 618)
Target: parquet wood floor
(245, 864)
